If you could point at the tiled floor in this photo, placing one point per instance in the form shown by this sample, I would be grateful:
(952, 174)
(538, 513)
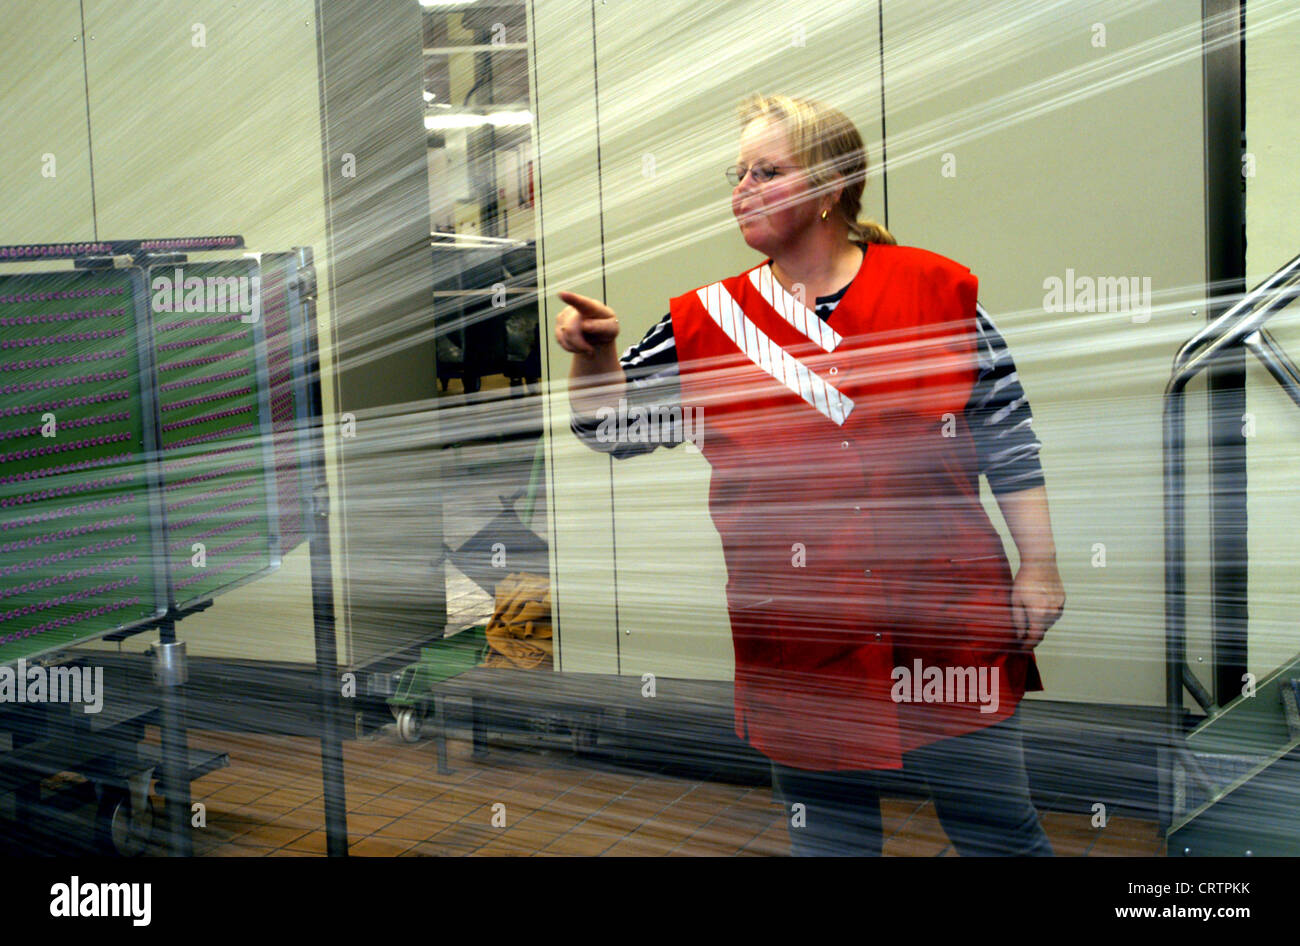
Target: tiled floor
(518, 802)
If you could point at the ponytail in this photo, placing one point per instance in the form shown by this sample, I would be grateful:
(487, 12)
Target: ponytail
(868, 231)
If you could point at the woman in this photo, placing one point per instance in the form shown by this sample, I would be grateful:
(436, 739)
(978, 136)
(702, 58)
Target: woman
(875, 621)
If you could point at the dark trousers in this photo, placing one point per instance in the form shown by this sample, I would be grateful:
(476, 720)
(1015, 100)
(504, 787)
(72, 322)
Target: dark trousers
(977, 781)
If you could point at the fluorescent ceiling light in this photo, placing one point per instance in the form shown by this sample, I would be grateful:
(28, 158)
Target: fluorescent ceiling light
(446, 3)
(498, 119)
(473, 238)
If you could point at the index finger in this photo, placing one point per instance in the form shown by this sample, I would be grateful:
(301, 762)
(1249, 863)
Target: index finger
(593, 308)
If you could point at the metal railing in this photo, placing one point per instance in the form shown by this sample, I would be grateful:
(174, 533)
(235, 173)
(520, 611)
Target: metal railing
(1241, 326)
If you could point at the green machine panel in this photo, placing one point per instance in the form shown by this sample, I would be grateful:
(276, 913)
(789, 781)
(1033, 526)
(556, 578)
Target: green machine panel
(78, 498)
(216, 467)
(153, 428)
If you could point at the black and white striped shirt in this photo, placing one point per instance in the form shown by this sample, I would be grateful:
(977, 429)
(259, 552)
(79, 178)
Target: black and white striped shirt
(997, 413)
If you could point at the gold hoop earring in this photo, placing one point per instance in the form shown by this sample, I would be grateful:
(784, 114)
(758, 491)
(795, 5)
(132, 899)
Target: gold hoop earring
(824, 213)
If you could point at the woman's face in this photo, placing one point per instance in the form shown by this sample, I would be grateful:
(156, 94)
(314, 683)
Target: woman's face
(775, 214)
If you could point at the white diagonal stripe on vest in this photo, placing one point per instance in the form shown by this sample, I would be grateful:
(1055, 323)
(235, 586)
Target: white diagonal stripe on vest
(788, 306)
(771, 357)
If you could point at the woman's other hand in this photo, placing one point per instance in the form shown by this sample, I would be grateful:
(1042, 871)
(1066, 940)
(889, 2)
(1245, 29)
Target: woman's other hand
(1037, 600)
(585, 324)
(1037, 596)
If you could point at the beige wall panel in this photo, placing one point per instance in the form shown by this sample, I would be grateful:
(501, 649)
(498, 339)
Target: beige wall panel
(569, 251)
(43, 113)
(1065, 154)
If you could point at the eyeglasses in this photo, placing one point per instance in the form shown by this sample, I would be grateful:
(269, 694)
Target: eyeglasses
(762, 172)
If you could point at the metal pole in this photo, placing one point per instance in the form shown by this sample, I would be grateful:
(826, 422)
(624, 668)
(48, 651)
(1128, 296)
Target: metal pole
(170, 672)
(322, 580)
(1175, 586)
(1223, 60)
(327, 680)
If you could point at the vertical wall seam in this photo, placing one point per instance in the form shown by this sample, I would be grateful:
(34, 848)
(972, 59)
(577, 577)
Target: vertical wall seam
(542, 295)
(884, 134)
(90, 141)
(604, 295)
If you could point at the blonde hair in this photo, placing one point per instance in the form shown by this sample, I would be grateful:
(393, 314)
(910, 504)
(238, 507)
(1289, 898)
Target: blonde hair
(827, 144)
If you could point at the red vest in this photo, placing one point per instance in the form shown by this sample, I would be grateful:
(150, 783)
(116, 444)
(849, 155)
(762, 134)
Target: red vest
(868, 592)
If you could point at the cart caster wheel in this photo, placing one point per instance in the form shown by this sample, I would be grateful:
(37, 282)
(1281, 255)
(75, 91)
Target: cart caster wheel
(409, 725)
(118, 830)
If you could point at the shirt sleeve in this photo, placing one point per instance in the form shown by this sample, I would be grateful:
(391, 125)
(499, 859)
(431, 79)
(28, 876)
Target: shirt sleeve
(999, 416)
(650, 369)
